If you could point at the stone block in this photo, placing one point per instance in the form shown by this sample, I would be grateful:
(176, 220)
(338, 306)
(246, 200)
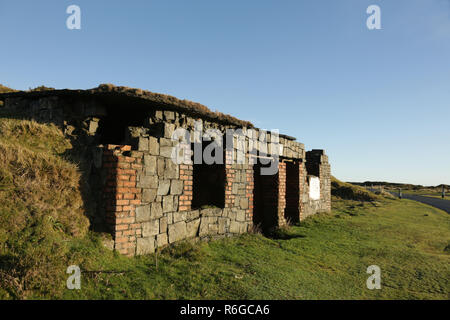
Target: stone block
(150, 182)
(168, 205)
(143, 144)
(171, 170)
(240, 215)
(150, 228)
(169, 128)
(191, 215)
(153, 146)
(179, 216)
(163, 225)
(166, 152)
(142, 213)
(222, 222)
(161, 166)
(162, 240)
(150, 164)
(177, 232)
(148, 195)
(163, 188)
(145, 245)
(156, 210)
(192, 228)
(176, 187)
(244, 203)
(234, 227)
(211, 212)
(169, 115)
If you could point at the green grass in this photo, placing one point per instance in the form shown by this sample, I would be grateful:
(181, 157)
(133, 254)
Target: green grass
(43, 231)
(326, 257)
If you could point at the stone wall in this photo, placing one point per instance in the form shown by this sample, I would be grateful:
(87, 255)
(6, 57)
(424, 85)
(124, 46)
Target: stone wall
(147, 201)
(317, 166)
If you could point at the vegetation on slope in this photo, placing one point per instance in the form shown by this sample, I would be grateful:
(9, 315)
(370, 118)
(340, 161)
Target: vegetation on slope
(40, 206)
(347, 191)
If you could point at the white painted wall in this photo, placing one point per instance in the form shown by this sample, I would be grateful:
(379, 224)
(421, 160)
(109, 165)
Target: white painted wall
(314, 188)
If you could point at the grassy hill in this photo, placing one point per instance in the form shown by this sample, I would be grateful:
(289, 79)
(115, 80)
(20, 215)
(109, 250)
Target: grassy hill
(41, 208)
(43, 230)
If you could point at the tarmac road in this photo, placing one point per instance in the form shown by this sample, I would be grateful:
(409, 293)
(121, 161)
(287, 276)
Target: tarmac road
(435, 202)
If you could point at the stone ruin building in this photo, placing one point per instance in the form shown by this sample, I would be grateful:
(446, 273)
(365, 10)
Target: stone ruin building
(133, 188)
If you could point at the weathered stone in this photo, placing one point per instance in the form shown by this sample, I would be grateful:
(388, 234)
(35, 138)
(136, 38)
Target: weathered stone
(244, 203)
(177, 232)
(142, 213)
(176, 187)
(143, 144)
(169, 128)
(145, 245)
(153, 146)
(164, 142)
(169, 115)
(204, 225)
(161, 240)
(148, 195)
(193, 228)
(166, 152)
(222, 225)
(163, 225)
(191, 215)
(243, 228)
(150, 164)
(168, 204)
(148, 182)
(234, 227)
(179, 216)
(163, 188)
(171, 170)
(150, 228)
(161, 166)
(156, 210)
(211, 212)
(240, 215)
(213, 229)
(159, 115)
(93, 126)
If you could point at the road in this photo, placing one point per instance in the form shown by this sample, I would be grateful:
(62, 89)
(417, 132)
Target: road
(435, 202)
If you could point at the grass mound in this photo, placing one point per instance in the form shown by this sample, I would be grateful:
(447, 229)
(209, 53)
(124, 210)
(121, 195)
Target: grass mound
(41, 208)
(347, 191)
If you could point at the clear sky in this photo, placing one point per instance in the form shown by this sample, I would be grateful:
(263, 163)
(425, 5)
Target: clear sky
(378, 101)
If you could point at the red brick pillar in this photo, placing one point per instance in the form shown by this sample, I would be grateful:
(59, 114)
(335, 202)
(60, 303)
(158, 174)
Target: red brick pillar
(121, 196)
(230, 176)
(187, 176)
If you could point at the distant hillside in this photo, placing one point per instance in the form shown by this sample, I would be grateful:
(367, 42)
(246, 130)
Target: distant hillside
(347, 191)
(394, 185)
(4, 89)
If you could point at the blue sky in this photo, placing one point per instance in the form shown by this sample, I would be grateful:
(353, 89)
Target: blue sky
(378, 101)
